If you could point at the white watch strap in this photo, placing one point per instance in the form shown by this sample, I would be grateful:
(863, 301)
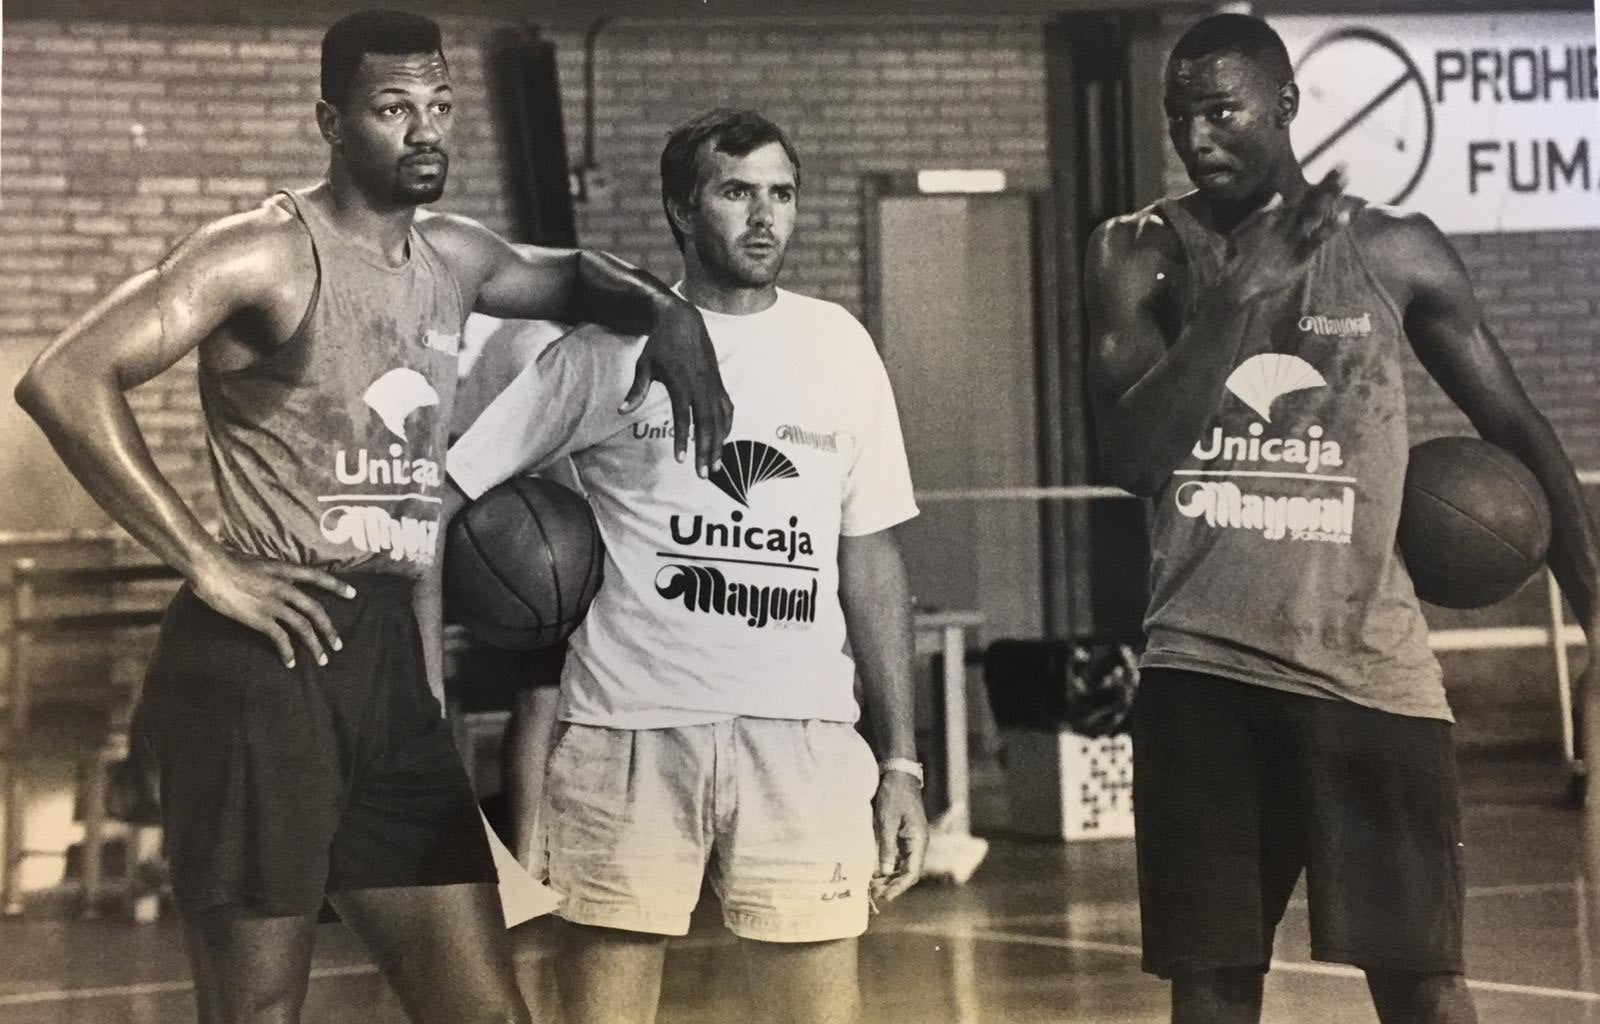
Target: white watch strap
(902, 764)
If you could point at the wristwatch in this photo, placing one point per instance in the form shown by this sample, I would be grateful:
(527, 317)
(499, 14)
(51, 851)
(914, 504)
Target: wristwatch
(902, 764)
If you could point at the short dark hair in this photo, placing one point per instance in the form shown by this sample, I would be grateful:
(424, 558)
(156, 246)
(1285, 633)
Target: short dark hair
(354, 36)
(1242, 34)
(734, 132)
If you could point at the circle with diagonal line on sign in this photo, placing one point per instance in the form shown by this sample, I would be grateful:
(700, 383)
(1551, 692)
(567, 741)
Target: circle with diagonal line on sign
(1364, 104)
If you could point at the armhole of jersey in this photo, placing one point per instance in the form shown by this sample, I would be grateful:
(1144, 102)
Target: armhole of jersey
(297, 336)
(445, 267)
(1372, 278)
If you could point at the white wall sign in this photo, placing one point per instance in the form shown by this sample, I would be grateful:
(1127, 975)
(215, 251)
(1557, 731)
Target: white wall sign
(1483, 122)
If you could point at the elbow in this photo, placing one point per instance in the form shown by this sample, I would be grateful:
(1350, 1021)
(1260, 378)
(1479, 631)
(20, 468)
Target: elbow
(45, 393)
(33, 393)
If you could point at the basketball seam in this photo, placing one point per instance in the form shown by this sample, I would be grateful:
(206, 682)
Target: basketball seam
(483, 557)
(1539, 500)
(1480, 527)
(594, 554)
(549, 553)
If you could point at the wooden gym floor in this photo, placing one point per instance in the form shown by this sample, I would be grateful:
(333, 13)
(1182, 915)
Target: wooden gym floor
(1044, 932)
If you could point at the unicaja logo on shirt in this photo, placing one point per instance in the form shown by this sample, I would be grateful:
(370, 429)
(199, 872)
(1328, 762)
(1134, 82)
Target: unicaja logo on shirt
(376, 489)
(1338, 326)
(1261, 380)
(1263, 466)
(398, 394)
(740, 547)
(748, 463)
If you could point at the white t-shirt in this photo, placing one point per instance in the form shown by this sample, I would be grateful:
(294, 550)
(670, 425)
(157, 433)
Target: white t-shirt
(721, 596)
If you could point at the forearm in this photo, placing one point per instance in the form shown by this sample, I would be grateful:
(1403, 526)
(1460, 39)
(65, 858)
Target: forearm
(93, 430)
(877, 608)
(1147, 431)
(625, 299)
(1574, 544)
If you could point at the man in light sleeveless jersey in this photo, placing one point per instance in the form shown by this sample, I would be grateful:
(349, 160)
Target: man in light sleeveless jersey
(707, 702)
(1246, 376)
(302, 754)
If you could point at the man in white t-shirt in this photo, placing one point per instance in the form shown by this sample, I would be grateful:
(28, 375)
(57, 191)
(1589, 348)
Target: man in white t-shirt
(708, 698)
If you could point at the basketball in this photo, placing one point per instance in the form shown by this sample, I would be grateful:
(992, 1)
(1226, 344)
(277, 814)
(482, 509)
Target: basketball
(1474, 523)
(522, 564)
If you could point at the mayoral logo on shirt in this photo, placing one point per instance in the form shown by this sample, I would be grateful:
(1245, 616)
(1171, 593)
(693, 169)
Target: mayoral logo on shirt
(746, 567)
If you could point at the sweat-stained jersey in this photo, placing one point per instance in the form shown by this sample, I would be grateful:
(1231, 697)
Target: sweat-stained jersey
(329, 452)
(1273, 544)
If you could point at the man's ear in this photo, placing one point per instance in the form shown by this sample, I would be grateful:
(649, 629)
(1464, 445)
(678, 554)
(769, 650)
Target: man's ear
(1288, 103)
(680, 214)
(328, 122)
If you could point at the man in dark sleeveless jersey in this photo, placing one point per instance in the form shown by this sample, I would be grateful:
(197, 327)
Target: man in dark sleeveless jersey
(1246, 359)
(302, 754)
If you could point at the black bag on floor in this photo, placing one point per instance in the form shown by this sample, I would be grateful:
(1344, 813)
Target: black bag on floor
(1047, 685)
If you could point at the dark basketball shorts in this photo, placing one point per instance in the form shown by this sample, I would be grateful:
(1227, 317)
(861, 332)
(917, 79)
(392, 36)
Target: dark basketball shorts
(279, 785)
(1239, 788)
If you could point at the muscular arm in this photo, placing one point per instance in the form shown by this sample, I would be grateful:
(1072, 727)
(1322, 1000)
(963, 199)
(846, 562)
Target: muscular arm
(1446, 329)
(877, 609)
(1151, 394)
(75, 389)
(254, 270)
(576, 286)
(531, 282)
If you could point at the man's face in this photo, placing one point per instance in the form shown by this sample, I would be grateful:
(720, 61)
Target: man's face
(742, 215)
(1227, 120)
(395, 128)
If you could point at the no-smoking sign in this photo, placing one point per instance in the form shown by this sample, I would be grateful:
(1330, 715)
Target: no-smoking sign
(1485, 123)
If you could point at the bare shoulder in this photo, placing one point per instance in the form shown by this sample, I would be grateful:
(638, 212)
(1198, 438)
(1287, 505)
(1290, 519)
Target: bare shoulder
(1133, 257)
(262, 256)
(1405, 249)
(465, 242)
(1135, 246)
(452, 229)
(1377, 225)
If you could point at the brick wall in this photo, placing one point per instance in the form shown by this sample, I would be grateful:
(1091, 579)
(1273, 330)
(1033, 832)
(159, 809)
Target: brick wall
(856, 97)
(223, 115)
(116, 140)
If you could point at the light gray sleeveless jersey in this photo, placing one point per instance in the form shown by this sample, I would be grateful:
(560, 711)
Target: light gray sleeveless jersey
(1274, 553)
(330, 451)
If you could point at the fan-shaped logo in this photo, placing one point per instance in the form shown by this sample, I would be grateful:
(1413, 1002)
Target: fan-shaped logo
(747, 463)
(398, 394)
(1263, 379)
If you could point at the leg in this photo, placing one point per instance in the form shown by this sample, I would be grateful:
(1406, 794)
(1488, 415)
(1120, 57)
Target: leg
(444, 948)
(1410, 998)
(609, 976)
(626, 838)
(1228, 995)
(249, 969)
(525, 757)
(804, 982)
(1385, 881)
(1210, 864)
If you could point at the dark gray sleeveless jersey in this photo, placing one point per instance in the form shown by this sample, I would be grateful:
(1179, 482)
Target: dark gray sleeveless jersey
(329, 452)
(1274, 553)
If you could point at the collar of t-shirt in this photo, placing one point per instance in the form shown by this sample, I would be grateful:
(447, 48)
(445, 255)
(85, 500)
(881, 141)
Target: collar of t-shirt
(735, 328)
